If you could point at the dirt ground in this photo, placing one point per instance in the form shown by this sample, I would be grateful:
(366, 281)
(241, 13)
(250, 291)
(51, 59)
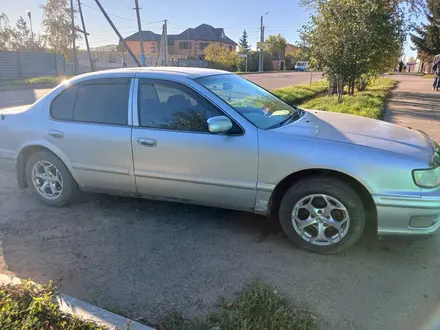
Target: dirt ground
(145, 258)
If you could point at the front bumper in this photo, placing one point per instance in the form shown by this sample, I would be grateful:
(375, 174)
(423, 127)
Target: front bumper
(407, 216)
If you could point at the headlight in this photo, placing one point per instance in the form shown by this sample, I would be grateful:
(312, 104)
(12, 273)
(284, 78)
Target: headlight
(429, 178)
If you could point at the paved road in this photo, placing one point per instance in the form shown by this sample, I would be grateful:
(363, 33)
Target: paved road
(146, 258)
(267, 80)
(20, 97)
(282, 79)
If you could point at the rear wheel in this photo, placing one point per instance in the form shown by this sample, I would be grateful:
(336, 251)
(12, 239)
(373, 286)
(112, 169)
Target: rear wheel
(322, 214)
(50, 179)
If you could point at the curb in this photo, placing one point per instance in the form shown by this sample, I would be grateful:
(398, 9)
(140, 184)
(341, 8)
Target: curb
(258, 72)
(84, 310)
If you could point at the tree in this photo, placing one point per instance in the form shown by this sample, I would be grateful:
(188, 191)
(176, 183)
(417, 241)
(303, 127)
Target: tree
(276, 45)
(253, 60)
(351, 39)
(4, 31)
(221, 57)
(22, 37)
(18, 38)
(427, 36)
(243, 43)
(57, 26)
(413, 6)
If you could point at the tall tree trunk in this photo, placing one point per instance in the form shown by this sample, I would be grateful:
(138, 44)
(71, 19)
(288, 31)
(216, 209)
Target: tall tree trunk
(332, 86)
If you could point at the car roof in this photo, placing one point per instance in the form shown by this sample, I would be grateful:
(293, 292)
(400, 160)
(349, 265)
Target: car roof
(158, 71)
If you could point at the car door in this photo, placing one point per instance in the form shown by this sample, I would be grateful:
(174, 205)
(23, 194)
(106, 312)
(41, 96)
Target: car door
(176, 157)
(90, 123)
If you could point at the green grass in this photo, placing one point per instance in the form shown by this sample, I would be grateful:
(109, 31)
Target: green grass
(257, 307)
(45, 80)
(53, 80)
(429, 76)
(299, 93)
(30, 306)
(369, 103)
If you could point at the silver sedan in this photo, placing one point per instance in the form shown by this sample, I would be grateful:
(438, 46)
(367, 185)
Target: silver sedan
(213, 138)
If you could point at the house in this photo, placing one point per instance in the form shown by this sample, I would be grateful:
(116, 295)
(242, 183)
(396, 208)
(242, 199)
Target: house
(191, 42)
(279, 59)
(291, 49)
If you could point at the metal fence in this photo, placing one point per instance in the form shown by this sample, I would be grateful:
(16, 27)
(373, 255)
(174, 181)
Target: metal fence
(19, 65)
(193, 63)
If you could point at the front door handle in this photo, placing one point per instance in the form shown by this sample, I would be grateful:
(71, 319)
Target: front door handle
(147, 142)
(56, 134)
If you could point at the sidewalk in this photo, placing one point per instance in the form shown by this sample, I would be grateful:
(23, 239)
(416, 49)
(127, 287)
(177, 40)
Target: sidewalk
(414, 104)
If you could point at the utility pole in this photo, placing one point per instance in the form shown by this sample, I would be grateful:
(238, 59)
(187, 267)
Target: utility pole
(165, 33)
(247, 61)
(189, 45)
(138, 16)
(117, 33)
(72, 17)
(92, 67)
(260, 66)
(30, 23)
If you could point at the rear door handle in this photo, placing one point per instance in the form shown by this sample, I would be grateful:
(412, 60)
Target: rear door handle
(147, 142)
(56, 134)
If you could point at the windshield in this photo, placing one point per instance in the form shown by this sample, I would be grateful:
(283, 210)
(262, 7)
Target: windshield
(257, 105)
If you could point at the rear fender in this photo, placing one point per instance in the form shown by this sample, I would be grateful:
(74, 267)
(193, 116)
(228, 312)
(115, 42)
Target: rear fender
(21, 163)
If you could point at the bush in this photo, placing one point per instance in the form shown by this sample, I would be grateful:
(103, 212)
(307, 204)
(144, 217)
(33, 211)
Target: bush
(30, 306)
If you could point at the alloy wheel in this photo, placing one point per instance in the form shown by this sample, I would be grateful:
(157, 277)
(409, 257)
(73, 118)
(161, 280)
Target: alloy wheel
(47, 180)
(320, 219)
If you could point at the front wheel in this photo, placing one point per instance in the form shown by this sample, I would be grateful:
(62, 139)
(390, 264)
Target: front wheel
(50, 179)
(322, 215)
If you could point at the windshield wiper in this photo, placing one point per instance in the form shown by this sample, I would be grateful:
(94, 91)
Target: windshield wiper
(289, 118)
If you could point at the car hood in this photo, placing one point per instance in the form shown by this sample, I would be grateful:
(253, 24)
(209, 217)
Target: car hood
(361, 131)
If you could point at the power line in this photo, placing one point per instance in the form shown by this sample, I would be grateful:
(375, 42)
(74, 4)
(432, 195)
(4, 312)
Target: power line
(120, 17)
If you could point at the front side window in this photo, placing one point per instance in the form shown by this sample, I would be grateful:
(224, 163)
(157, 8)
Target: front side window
(173, 106)
(257, 105)
(102, 101)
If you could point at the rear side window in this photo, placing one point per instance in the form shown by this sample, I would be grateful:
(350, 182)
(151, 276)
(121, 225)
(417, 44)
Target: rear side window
(62, 106)
(102, 101)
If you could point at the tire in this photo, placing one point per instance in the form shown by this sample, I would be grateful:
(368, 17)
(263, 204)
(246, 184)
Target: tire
(58, 172)
(332, 192)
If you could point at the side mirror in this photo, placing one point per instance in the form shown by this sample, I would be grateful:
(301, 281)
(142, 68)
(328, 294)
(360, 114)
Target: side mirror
(219, 124)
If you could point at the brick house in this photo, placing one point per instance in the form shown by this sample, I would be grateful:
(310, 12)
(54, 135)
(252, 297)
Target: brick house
(278, 59)
(190, 43)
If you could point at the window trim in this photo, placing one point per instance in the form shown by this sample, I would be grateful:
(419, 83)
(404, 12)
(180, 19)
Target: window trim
(91, 81)
(136, 104)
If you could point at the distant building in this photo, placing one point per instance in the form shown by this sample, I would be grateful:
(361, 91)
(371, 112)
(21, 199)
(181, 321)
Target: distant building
(425, 63)
(106, 48)
(279, 59)
(190, 43)
(291, 49)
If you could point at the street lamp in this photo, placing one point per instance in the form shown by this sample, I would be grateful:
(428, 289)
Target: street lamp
(260, 66)
(30, 22)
